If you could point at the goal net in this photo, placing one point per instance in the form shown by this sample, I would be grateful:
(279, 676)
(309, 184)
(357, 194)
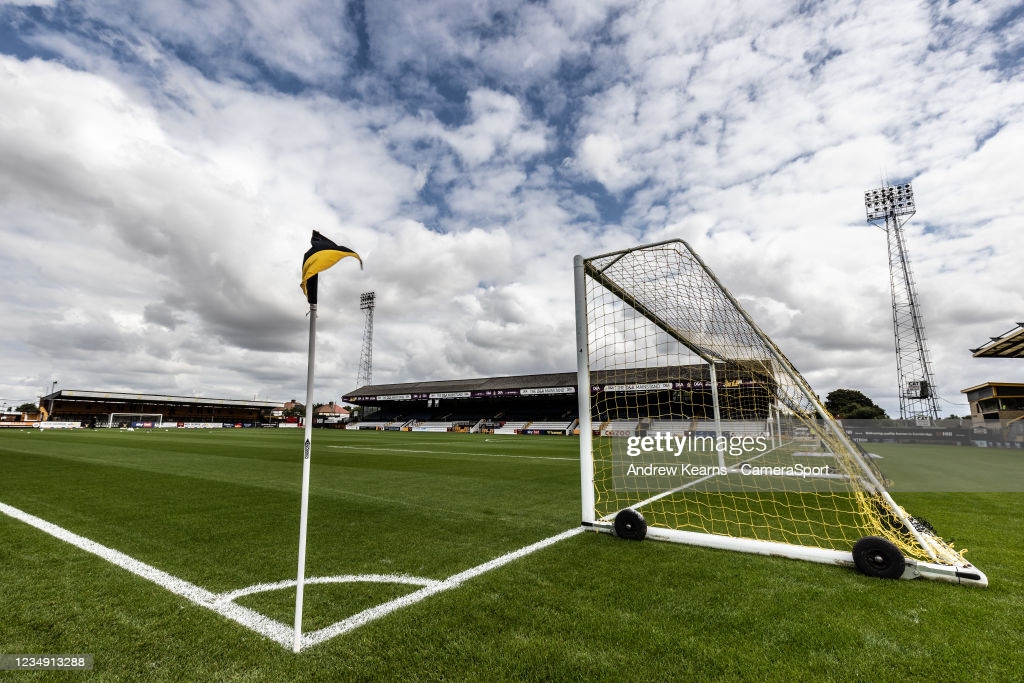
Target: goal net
(135, 420)
(694, 427)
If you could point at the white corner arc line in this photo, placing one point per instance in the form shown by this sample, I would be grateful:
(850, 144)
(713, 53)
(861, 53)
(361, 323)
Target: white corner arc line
(373, 613)
(269, 628)
(341, 578)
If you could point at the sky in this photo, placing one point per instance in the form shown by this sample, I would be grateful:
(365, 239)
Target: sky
(162, 165)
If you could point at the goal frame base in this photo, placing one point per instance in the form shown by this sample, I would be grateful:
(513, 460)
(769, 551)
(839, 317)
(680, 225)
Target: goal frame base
(965, 574)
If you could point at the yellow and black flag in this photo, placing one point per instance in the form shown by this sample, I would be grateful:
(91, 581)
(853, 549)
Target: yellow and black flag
(323, 254)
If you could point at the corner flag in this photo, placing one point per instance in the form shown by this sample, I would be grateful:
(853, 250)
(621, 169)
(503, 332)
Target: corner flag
(323, 254)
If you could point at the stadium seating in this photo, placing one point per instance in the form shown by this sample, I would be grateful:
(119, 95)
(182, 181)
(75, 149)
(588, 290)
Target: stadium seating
(431, 426)
(421, 424)
(511, 427)
(561, 426)
(374, 425)
(752, 428)
(681, 426)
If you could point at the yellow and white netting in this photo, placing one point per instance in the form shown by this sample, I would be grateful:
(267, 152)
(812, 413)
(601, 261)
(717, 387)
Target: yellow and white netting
(702, 424)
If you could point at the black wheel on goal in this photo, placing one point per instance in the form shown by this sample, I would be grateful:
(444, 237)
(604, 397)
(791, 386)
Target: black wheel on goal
(878, 557)
(630, 524)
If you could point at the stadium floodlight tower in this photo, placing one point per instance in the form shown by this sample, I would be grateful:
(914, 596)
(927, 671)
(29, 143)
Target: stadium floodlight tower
(367, 302)
(889, 208)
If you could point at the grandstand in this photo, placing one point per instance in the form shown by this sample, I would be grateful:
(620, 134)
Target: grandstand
(1007, 345)
(95, 408)
(547, 403)
(486, 404)
(997, 408)
(523, 404)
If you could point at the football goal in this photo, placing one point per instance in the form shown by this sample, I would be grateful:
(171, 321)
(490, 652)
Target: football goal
(695, 428)
(133, 420)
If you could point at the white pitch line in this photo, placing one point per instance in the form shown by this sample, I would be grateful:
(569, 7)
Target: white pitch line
(269, 628)
(311, 580)
(482, 455)
(252, 620)
(373, 613)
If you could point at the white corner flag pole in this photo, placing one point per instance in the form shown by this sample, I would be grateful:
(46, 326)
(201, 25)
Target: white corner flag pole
(307, 445)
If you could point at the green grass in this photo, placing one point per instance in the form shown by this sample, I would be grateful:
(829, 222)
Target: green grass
(220, 509)
(940, 468)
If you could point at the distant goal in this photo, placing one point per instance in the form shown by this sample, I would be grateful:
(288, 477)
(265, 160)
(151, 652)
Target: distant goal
(135, 420)
(695, 428)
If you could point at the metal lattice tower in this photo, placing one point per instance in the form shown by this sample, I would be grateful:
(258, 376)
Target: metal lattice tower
(889, 208)
(367, 301)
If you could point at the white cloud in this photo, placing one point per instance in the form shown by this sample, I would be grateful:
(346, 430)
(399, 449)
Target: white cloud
(601, 155)
(161, 167)
(497, 126)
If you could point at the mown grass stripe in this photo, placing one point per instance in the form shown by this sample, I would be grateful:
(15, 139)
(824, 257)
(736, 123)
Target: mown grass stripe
(428, 452)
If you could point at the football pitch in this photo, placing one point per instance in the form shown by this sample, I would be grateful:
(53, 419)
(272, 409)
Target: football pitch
(167, 555)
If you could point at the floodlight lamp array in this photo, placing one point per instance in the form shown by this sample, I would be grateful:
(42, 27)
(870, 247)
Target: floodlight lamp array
(367, 300)
(892, 200)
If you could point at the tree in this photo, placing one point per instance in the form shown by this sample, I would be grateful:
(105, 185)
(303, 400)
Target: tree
(864, 413)
(853, 405)
(28, 408)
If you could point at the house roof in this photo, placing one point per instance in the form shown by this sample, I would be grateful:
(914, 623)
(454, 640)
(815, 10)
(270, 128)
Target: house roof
(331, 409)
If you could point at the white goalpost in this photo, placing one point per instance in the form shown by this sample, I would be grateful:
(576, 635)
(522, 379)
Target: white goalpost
(132, 420)
(695, 428)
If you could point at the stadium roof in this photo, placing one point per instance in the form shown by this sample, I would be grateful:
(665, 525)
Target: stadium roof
(114, 396)
(558, 380)
(1007, 345)
(1010, 387)
(524, 385)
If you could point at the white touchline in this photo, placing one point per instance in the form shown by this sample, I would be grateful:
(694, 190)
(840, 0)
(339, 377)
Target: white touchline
(222, 603)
